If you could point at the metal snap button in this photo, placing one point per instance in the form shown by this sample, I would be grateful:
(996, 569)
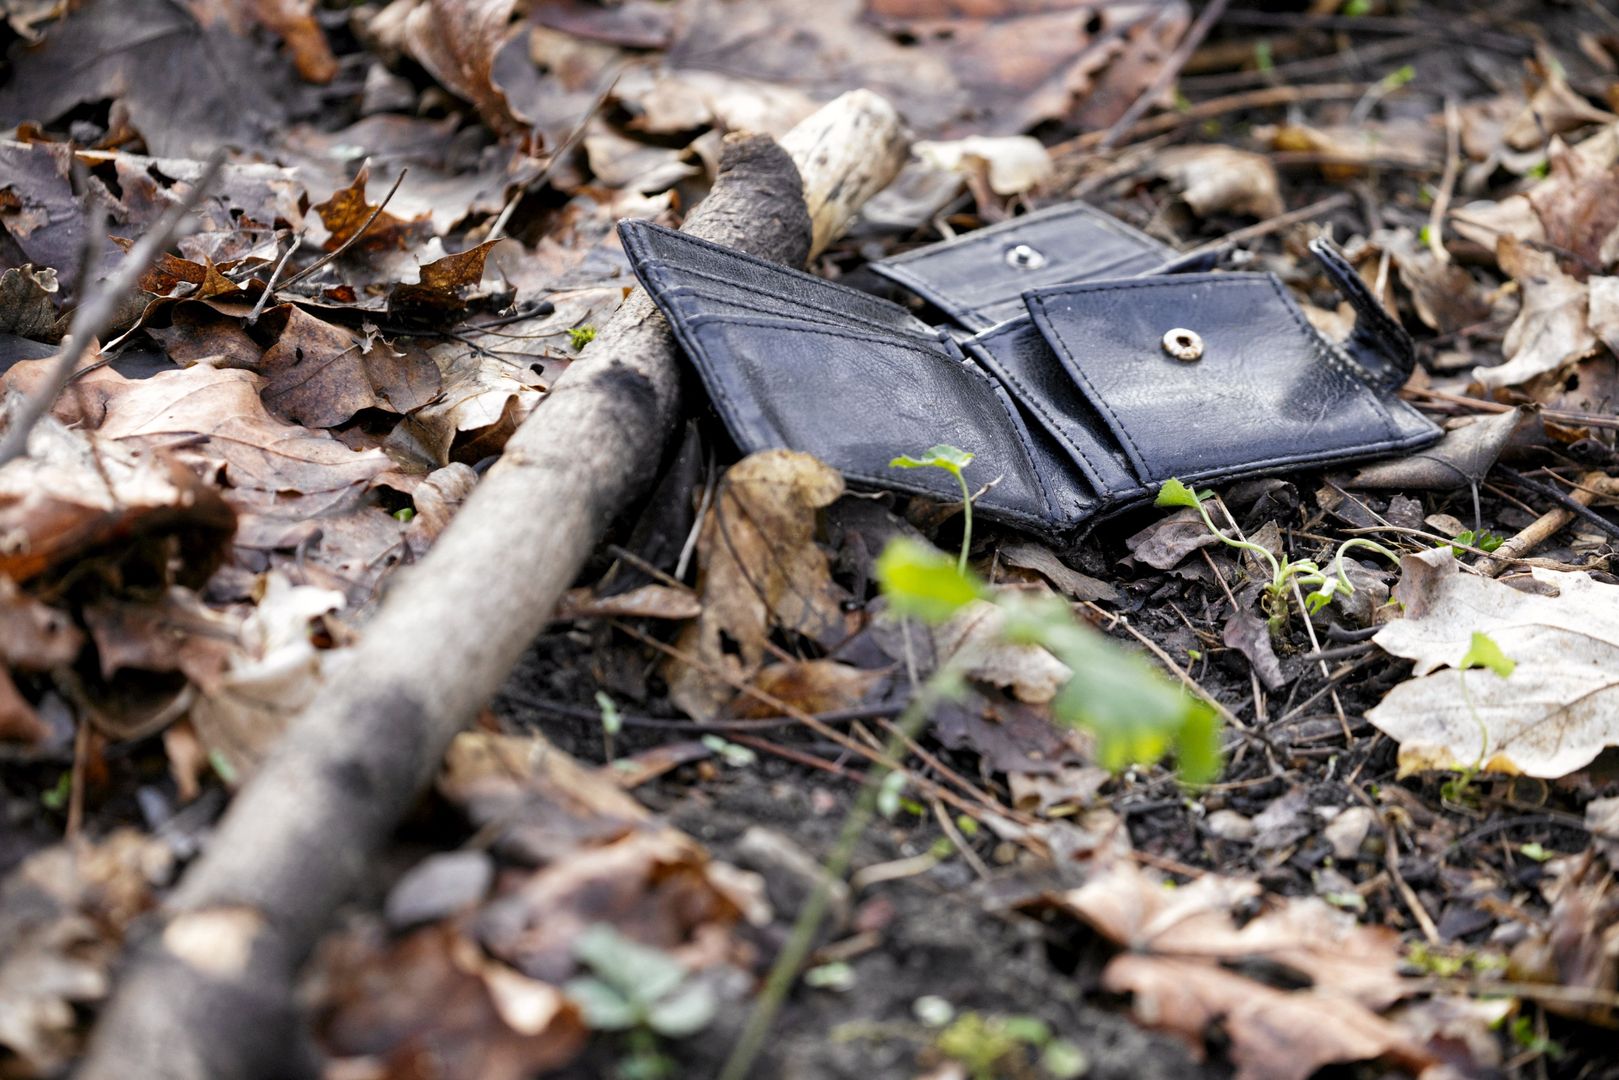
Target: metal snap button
(1183, 345)
(1024, 257)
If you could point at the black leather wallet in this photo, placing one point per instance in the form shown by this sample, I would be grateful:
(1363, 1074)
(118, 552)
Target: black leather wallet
(1081, 363)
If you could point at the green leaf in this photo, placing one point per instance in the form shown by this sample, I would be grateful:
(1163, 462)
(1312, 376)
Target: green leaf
(685, 1012)
(1175, 493)
(638, 972)
(1064, 1061)
(888, 794)
(580, 336)
(952, 459)
(922, 581)
(604, 1008)
(612, 721)
(1485, 653)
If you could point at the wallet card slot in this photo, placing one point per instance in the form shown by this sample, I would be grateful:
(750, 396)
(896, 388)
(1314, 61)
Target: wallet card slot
(979, 279)
(674, 257)
(743, 298)
(1265, 391)
(857, 400)
(1018, 356)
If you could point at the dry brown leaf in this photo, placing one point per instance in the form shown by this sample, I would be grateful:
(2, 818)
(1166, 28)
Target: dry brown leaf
(1461, 458)
(1180, 942)
(199, 334)
(646, 602)
(759, 570)
(63, 913)
(1164, 543)
(321, 374)
(1552, 328)
(484, 397)
(275, 673)
(347, 212)
(1555, 109)
(814, 686)
(656, 886)
(27, 303)
(433, 1004)
(1068, 581)
(1578, 205)
(1445, 296)
(1030, 672)
(457, 42)
(443, 286)
(56, 505)
(1217, 179)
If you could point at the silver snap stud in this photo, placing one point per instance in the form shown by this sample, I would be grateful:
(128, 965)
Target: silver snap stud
(1024, 257)
(1183, 345)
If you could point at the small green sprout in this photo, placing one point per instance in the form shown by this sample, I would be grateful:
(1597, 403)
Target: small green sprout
(405, 514)
(580, 336)
(1285, 573)
(1264, 59)
(1541, 169)
(1537, 852)
(1532, 1042)
(738, 757)
(641, 991)
(952, 460)
(888, 794)
(836, 976)
(1484, 541)
(1354, 9)
(1135, 713)
(56, 797)
(990, 1046)
(1482, 652)
(612, 722)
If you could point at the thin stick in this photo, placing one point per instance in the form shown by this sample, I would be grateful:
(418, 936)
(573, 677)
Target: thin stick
(98, 310)
(1580, 509)
(1481, 405)
(1275, 224)
(1447, 182)
(1166, 74)
(1540, 530)
(1268, 97)
(269, 288)
(351, 241)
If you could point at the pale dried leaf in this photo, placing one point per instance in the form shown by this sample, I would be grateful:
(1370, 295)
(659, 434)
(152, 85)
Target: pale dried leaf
(1552, 328)
(1218, 179)
(1557, 710)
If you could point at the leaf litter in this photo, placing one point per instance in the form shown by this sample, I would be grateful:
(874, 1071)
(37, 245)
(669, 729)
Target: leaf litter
(261, 442)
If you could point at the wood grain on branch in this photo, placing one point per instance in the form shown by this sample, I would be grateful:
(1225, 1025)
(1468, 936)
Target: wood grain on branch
(208, 993)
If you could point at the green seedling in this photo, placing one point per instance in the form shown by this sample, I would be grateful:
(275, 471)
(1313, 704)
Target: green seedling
(1484, 541)
(1285, 572)
(738, 757)
(1533, 1042)
(991, 1046)
(1135, 713)
(952, 460)
(1537, 852)
(56, 798)
(612, 723)
(1482, 652)
(641, 991)
(405, 514)
(580, 336)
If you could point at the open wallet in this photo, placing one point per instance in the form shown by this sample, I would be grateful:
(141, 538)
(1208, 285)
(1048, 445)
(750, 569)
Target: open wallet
(1079, 361)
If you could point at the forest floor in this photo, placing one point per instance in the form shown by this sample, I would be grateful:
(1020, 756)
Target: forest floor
(1352, 897)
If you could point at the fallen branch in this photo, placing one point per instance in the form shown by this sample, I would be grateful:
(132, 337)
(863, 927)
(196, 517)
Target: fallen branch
(208, 994)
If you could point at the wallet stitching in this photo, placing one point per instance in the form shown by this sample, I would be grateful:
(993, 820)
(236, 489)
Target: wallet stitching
(1391, 439)
(1031, 399)
(1022, 437)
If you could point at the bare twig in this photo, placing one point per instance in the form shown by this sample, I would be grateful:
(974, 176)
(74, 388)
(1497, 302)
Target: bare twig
(269, 288)
(1268, 97)
(97, 310)
(1166, 74)
(1447, 182)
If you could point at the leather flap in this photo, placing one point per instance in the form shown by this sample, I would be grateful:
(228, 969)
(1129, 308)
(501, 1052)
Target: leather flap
(1264, 390)
(979, 279)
